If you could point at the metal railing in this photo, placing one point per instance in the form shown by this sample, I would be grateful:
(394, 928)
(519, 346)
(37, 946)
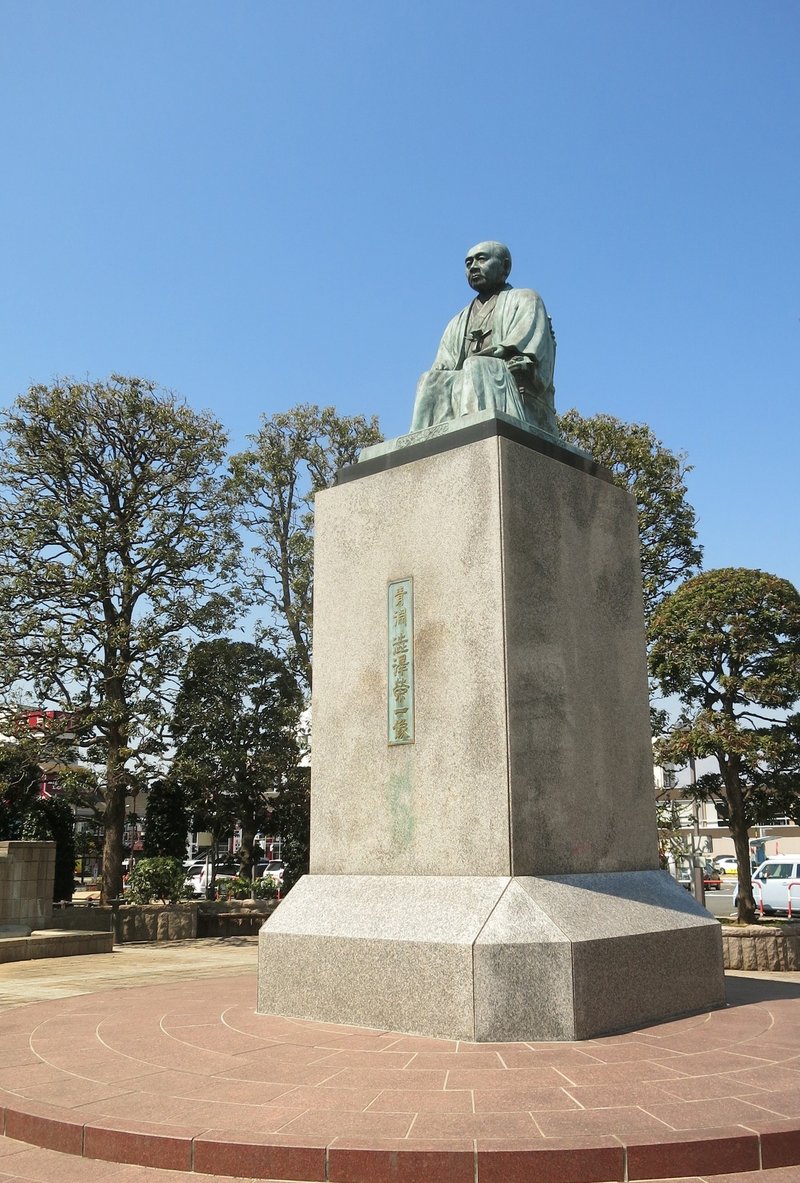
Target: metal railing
(792, 883)
(756, 883)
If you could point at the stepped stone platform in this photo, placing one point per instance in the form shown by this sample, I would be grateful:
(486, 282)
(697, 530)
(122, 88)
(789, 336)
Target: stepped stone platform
(25, 946)
(184, 1075)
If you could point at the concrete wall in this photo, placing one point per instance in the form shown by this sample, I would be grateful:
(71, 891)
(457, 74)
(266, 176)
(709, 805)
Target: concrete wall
(173, 922)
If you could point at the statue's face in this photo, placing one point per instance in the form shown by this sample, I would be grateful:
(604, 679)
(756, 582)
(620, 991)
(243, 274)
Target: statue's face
(486, 267)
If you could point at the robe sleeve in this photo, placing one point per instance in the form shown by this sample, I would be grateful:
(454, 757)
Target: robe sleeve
(522, 323)
(449, 351)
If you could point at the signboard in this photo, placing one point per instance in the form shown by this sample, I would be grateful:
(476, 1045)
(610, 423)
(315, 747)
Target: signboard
(400, 605)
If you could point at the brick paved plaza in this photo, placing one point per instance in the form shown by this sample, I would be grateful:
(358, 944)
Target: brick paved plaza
(154, 1057)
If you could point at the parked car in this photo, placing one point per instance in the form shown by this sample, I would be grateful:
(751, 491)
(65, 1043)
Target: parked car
(727, 864)
(198, 874)
(711, 879)
(772, 881)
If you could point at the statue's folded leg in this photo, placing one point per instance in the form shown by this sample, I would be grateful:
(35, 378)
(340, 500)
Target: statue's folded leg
(484, 384)
(437, 396)
(489, 386)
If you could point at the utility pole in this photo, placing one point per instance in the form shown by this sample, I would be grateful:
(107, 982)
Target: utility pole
(698, 886)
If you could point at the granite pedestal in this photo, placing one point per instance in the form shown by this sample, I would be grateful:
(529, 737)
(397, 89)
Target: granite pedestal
(497, 878)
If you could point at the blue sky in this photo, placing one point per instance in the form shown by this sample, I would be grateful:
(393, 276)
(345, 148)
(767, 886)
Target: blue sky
(258, 204)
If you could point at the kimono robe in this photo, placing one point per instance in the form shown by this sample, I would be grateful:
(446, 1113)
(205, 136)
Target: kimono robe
(460, 382)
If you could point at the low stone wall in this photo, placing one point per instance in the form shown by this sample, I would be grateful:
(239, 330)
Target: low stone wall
(765, 948)
(156, 922)
(167, 922)
(234, 918)
(83, 917)
(131, 922)
(26, 884)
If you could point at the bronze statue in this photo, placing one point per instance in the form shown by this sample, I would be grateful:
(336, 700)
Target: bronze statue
(498, 353)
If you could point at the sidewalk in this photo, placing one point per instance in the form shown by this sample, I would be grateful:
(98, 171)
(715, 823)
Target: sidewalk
(154, 1056)
(129, 965)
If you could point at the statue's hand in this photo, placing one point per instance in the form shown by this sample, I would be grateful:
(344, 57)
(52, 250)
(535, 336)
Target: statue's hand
(511, 356)
(520, 362)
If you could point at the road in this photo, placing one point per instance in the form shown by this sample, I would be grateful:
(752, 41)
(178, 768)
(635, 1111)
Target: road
(720, 903)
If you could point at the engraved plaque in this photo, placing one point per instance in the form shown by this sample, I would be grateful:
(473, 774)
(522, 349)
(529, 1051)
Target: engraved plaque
(400, 605)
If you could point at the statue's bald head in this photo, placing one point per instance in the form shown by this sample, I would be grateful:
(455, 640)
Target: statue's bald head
(488, 266)
(499, 249)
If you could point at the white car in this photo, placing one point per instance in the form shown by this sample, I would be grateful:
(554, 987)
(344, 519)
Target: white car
(775, 882)
(198, 874)
(727, 864)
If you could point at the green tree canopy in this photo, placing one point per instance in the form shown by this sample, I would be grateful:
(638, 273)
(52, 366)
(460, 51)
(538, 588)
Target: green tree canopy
(294, 455)
(20, 778)
(166, 819)
(655, 476)
(236, 728)
(291, 818)
(116, 542)
(728, 643)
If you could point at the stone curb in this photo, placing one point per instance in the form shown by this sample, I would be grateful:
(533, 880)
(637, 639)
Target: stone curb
(609, 1159)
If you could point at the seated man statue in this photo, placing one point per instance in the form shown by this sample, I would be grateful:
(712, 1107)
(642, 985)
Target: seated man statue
(497, 354)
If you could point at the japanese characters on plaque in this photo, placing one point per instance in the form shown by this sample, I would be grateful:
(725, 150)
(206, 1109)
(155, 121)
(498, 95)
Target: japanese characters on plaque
(401, 661)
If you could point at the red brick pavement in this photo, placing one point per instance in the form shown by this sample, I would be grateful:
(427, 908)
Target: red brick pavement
(185, 1076)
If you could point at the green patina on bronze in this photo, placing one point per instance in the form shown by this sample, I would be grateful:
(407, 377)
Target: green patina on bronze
(497, 354)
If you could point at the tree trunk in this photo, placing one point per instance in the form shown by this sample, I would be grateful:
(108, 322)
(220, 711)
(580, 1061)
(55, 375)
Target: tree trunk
(111, 882)
(246, 849)
(114, 818)
(747, 912)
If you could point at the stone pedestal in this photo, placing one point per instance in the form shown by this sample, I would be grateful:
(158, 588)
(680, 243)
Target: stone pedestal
(496, 879)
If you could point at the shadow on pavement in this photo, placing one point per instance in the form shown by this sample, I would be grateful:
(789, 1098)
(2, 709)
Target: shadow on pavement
(747, 991)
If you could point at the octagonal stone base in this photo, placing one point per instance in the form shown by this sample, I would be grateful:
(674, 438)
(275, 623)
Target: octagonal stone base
(490, 958)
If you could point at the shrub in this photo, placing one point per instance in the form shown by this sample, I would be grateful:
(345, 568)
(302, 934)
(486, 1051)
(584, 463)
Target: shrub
(160, 878)
(241, 888)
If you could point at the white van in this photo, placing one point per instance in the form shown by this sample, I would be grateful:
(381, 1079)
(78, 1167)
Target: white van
(772, 883)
